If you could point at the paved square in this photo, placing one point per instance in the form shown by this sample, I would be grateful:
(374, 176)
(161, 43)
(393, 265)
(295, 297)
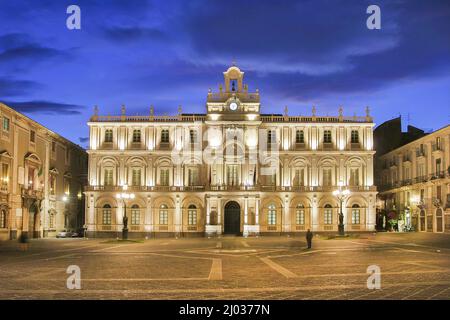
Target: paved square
(413, 266)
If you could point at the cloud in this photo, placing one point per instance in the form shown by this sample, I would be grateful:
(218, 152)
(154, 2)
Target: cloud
(128, 34)
(45, 107)
(10, 87)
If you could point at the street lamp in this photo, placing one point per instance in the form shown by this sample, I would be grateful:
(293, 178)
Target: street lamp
(341, 194)
(124, 195)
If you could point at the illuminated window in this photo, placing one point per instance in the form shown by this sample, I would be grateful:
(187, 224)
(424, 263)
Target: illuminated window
(136, 177)
(51, 220)
(300, 215)
(5, 124)
(109, 177)
(328, 214)
(272, 215)
(163, 215)
(135, 214)
(3, 218)
(164, 177)
(192, 215)
(106, 214)
(356, 215)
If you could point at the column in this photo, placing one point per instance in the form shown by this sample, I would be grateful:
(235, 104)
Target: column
(315, 214)
(219, 211)
(178, 222)
(257, 211)
(246, 210)
(208, 211)
(148, 221)
(286, 219)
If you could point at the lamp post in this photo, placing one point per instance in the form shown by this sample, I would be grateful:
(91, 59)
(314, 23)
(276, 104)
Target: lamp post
(124, 195)
(341, 194)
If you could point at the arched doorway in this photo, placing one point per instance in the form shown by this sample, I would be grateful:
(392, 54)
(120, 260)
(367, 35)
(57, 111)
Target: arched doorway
(232, 218)
(439, 227)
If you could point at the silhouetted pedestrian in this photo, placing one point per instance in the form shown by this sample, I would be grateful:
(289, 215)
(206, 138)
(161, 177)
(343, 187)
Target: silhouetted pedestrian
(23, 240)
(309, 236)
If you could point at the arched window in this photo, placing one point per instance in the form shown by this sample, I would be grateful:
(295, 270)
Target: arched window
(3, 218)
(106, 214)
(356, 214)
(192, 215)
(163, 215)
(328, 214)
(272, 215)
(300, 215)
(135, 214)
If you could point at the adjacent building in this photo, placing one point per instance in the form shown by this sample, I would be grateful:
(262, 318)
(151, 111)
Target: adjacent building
(231, 170)
(414, 183)
(42, 177)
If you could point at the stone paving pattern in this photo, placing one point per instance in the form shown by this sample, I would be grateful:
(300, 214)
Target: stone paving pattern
(413, 266)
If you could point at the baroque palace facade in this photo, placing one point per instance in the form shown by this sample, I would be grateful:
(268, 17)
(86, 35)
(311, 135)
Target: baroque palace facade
(42, 176)
(414, 182)
(229, 171)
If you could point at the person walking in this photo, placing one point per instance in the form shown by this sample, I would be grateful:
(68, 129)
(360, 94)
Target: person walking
(309, 236)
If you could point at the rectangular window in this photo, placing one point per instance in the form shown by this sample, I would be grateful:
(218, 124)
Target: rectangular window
(53, 146)
(164, 177)
(66, 186)
(438, 143)
(108, 135)
(165, 136)
(271, 136)
(135, 216)
(232, 175)
(31, 177)
(299, 177)
(300, 218)
(327, 136)
(326, 179)
(136, 136)
(272, 218)
(52, 179)
(354, 177)
(32, 136)
(192, 216)
(422, 194)
(67, 156)
(136, 177)
(5, 174)
(193, 177)
(300, 136)
(5, 124)
(439, 192)
(355, 216)
(109, 178)
(328, 216)
(106, 216)
(193, 136)
(355, 136)
(163, 217)
(438, 166)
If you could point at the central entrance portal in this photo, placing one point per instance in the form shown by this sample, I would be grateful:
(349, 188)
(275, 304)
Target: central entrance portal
(232, 218)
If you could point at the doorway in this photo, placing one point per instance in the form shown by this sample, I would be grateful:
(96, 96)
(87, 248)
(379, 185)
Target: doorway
(232, 218)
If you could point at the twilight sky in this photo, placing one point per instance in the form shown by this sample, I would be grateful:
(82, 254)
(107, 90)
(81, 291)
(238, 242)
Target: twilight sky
(167, 53)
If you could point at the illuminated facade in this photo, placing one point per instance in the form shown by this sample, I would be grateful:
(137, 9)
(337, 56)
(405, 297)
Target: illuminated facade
(414, 182)
(42, 179)
(232, 170)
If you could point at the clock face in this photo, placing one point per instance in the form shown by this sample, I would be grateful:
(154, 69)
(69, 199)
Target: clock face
(233, 106)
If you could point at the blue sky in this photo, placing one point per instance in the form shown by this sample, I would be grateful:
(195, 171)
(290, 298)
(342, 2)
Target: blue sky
(168, 53)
